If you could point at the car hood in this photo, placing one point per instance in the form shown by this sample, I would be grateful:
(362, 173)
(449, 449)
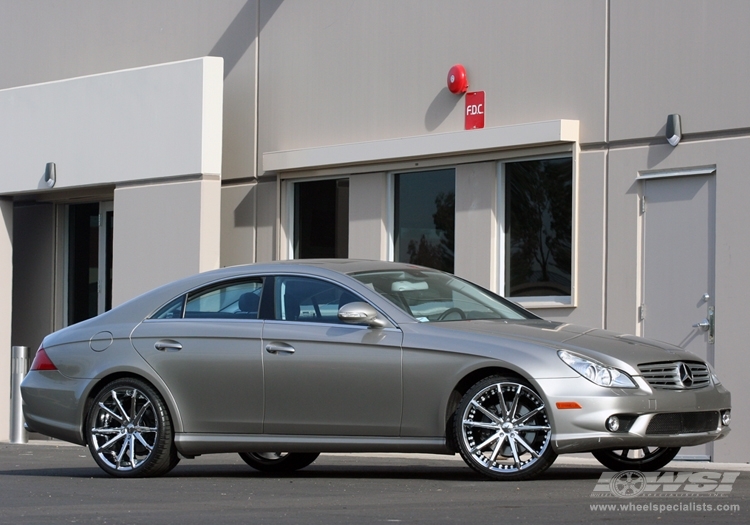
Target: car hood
(610, 348)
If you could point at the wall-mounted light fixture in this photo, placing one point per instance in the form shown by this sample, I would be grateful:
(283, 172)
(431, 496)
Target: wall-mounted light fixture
(674, 129)
(50, 174)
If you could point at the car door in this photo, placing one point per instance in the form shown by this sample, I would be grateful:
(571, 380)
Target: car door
(206, 346)
(324, 377)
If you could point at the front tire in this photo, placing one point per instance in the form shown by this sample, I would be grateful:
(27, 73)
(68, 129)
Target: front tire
(653, 458)
(503, 430)
(278, 462)
(129, 431)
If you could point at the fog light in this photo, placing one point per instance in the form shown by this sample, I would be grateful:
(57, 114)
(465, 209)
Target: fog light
(613, 423)
(726, 417)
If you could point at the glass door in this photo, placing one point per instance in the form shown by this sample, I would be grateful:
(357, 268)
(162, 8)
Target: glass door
(89, 260)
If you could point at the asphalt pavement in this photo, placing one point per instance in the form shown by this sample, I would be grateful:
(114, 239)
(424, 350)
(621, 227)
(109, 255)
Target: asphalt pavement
(54, 483)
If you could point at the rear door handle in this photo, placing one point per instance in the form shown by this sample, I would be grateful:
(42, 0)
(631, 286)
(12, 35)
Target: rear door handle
(279, 348)
(167, 345)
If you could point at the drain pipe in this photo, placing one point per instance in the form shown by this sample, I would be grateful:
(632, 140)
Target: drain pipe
(19, 366)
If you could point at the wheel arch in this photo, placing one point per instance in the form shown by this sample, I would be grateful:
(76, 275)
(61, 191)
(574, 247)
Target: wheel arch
(159, 387)
(463, 386)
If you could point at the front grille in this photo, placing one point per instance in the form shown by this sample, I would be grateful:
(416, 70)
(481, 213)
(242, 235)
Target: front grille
(683, 423)
(676, 375)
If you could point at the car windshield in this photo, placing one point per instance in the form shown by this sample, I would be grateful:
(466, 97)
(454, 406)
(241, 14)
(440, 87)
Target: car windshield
(430, 296)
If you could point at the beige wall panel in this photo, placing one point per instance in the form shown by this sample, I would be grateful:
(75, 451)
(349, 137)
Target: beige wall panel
(266, 217)
(678, 56)
(731, 157)
(238, 224)
(164, 232)
(591, 242)
(336, 72)
(476, 223)
(143, 123)
(368, 216)
(6, 294)
(62, 39)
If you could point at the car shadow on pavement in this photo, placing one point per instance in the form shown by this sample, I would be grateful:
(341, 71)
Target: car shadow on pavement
(396, 472)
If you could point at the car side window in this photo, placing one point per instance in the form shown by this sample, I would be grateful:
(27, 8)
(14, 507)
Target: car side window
(310, 300)
(231, 300)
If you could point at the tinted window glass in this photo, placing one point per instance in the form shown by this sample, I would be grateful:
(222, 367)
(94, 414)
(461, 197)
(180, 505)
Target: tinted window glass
(425, 218)
(539, 214)
(231, 300)
(172, 310)
(310, 300)
(435, 296)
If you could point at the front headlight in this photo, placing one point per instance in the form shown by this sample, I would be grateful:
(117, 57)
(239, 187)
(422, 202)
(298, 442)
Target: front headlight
(596, 372)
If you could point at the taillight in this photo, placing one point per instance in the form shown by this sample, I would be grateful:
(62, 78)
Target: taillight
(42, 361)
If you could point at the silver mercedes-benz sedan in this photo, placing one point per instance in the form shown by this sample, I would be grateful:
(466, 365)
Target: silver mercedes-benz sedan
(280, 362)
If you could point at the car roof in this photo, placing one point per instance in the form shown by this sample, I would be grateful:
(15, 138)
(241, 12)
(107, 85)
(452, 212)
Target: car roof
(138, 307)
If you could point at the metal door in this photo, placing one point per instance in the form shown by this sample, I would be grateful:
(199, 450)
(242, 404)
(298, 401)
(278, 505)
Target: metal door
(213, 368)
(679, 239)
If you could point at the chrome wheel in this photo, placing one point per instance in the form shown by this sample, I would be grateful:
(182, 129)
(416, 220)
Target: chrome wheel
(503, 430)
(278, 462)
(645, 459)
(129, 431)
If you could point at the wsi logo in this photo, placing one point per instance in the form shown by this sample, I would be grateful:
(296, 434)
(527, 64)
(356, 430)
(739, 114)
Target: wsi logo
(633, 483)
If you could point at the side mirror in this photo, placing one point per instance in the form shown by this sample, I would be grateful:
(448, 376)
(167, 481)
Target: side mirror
(361, 313)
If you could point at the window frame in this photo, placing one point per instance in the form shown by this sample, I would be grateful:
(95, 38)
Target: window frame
(532, 302)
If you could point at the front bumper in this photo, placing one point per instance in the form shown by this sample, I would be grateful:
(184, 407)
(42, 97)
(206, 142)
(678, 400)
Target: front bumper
(584, 430)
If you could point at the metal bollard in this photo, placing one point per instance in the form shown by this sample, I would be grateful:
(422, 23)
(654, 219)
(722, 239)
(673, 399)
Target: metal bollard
(19, 366)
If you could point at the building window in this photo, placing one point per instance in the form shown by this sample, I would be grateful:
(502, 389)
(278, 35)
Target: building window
(538, 229)
(424, 218)
(321, 219)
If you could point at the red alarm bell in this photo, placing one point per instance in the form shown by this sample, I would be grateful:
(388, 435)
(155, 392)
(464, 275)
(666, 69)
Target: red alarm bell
(457, 81)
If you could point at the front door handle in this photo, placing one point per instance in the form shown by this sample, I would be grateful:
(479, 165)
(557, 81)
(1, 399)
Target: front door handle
(167, 345)
(279, 348)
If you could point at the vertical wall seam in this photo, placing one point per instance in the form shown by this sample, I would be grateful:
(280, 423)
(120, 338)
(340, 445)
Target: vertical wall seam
(255, 130)
(605, 239)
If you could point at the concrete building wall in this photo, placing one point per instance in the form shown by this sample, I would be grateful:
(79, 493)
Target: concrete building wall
(676, 56)
(142, 123)
(336, 73)
(368, 216)
(476, 218)
(238, 223)
(47, 40)
(164, 232)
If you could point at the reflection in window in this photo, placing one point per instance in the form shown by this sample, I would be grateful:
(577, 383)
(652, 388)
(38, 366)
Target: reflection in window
(310, 300)
(233, 300)
(539, 214)
(424, 222)
(431, 296)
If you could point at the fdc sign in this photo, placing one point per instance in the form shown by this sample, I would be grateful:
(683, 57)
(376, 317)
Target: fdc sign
(474, 110)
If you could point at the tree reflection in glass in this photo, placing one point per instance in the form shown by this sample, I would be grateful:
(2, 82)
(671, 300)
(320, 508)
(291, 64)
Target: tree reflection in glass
(539, 211)
(425, 218)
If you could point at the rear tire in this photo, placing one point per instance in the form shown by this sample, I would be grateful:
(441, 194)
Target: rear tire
(129, 431)
(278, 462)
